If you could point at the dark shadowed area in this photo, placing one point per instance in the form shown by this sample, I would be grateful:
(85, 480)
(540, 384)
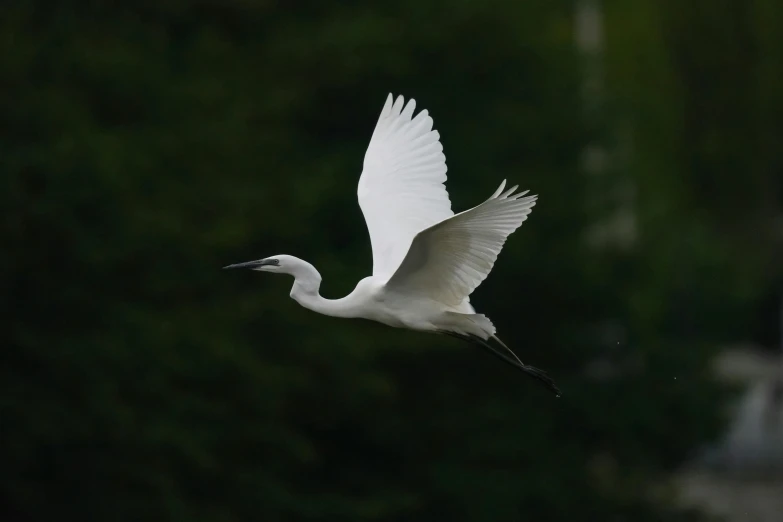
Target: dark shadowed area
(144, 145)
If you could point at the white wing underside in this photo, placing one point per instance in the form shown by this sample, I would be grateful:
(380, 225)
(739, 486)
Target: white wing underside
(401, 189)
(449, 260)
(419, 246)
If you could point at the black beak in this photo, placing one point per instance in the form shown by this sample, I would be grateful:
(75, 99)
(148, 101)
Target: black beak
(254, 264)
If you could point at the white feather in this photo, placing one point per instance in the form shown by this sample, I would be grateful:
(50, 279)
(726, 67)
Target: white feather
(401, 189)
(448, 261)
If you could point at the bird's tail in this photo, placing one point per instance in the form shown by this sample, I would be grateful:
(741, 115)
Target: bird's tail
(508, 356)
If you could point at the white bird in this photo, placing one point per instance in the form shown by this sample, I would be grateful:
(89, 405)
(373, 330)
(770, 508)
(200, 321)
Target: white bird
(426, 259)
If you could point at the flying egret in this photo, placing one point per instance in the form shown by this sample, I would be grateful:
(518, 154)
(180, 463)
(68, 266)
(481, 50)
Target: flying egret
(426, 259)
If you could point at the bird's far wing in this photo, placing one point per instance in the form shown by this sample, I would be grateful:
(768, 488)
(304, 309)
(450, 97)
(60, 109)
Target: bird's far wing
(447, 261)
(401, 189)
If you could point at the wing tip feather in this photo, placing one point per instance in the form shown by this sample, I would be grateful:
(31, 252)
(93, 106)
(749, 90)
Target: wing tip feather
(499, 190)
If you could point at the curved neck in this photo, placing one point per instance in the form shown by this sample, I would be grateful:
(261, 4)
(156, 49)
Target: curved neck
(307, 282)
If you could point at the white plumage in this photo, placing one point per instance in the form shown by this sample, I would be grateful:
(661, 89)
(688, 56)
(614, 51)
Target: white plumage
(426, 260)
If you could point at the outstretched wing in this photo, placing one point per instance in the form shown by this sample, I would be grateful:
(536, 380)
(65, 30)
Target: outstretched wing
(447, 261)
(401, 189)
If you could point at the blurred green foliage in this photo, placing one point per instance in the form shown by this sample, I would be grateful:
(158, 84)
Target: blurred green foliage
(145, 144)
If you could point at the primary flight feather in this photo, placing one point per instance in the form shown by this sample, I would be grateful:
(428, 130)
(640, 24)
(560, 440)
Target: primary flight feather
(426, 260)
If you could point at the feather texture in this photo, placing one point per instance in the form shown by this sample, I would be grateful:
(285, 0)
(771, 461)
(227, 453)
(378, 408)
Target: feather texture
(447, 261)
(401, 189)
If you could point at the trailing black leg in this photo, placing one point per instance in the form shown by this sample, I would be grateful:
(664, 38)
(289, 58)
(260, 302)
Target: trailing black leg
(528, 370)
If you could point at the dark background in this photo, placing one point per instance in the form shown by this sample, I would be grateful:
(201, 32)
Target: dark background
(144, 145)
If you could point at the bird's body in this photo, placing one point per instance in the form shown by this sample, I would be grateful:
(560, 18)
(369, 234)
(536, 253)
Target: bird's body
(426, 260)
(373, 300)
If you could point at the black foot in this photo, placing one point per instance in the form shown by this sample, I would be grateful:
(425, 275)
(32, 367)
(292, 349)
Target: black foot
(531, 371)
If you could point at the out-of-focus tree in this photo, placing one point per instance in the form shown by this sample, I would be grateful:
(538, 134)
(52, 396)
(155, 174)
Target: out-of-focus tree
(145, 146)
(699, 90)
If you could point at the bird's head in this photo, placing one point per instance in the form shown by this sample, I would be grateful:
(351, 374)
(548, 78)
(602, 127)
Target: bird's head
(281, 264)
(268, 264)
